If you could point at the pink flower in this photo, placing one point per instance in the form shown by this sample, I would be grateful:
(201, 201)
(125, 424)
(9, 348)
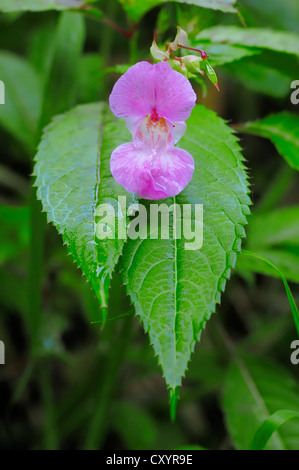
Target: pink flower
(155, 101)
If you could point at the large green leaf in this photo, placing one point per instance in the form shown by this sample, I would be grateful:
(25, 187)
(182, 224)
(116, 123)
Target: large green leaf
(283, 130)
(19, 115)
(254, 390)
(253, 37)
(136, 8)
(73, 178)
(39, 5)
(175, 290)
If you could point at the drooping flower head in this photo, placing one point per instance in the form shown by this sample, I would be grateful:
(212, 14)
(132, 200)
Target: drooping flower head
(155, 101)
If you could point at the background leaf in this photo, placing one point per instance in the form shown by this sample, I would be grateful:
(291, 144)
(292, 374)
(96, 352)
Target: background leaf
(136, 9)
(292, 303)
(39, 5)
(283, 130)
(61, 88)
(261, 74)
(269, 426)
(254, 389)
(175, 290)
(253, 37)
(274, 235)
(277, 14)
(279, 227)
(224, 53)
(21, 111)
(14, 231)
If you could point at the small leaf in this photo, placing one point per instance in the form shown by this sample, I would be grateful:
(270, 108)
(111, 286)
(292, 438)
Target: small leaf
(73, 178)
(157, 53)
(175, 290)
(180, 38)
(283, 130)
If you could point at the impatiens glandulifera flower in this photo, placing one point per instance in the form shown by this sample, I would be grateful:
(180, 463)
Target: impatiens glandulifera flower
(155, 101)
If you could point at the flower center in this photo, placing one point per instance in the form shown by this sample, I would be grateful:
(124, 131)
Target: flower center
(154, 116)
(154, 131)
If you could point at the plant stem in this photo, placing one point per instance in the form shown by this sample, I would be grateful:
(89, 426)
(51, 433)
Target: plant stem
(49, 428)
(98, 15)
(105, 388)
(203, 54)
(35, 269)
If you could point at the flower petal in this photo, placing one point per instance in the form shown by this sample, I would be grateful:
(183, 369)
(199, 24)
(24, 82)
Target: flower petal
(174, 96)
(178, 130)
(133, 94)
(151, 175)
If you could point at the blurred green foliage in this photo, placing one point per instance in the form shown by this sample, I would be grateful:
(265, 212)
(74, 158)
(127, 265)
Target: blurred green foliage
(67, 384)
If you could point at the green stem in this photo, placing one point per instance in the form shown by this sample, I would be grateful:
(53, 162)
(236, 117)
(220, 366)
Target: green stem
(37, 225)
(134, 47)
(98, 15)
(105, 49)
(106, 386)
(49, 428)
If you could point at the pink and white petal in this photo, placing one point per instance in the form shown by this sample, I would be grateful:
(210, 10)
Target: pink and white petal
(175, 97)
(178, 130)
(133, 94)
(149, 175)
(133, 124)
